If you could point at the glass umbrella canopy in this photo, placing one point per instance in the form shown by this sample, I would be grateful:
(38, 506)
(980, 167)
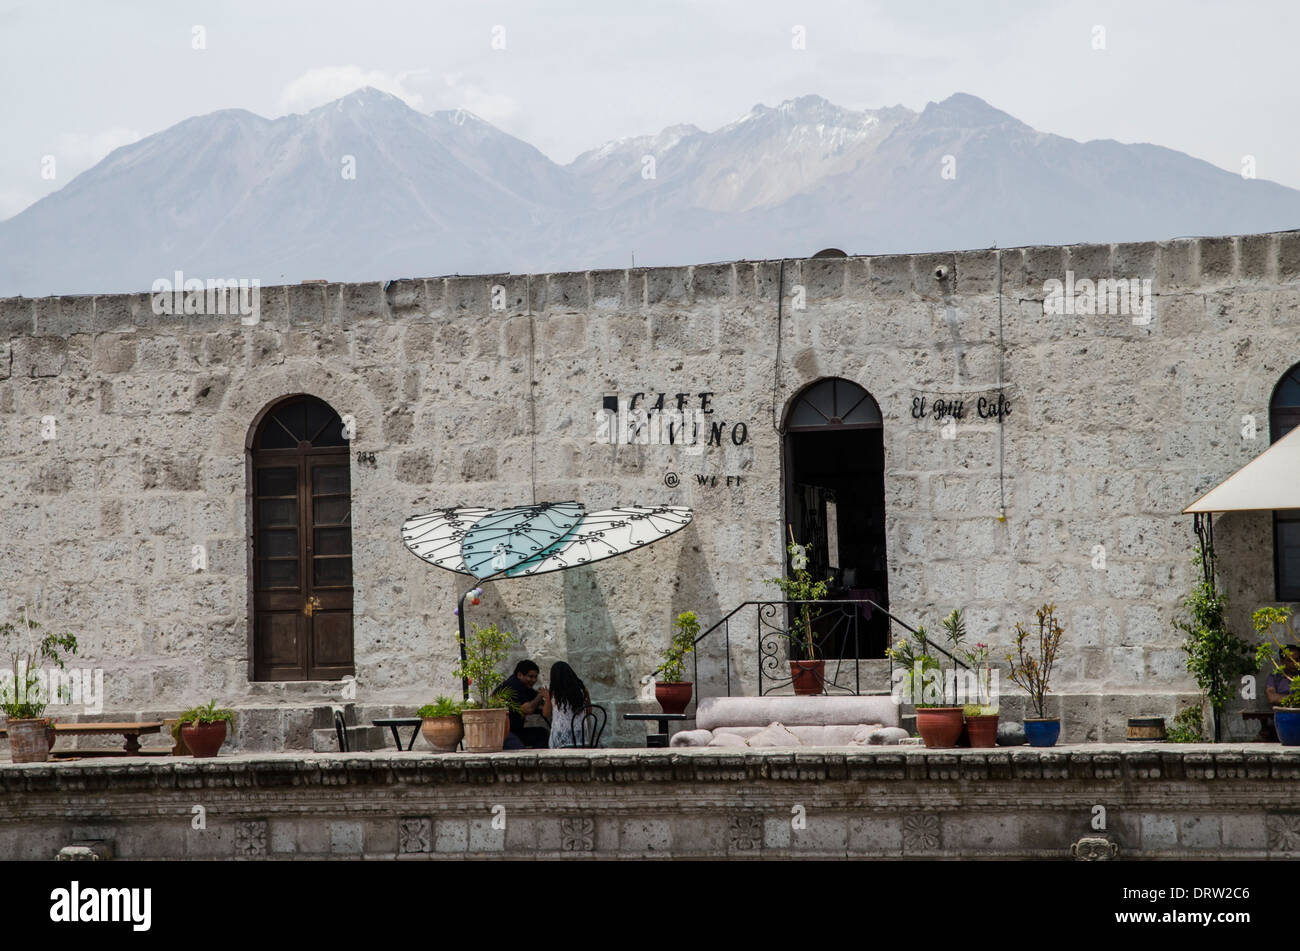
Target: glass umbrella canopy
(535, 539)
(532, 540)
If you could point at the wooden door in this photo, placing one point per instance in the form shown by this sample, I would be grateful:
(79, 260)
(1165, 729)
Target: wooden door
(302, 544)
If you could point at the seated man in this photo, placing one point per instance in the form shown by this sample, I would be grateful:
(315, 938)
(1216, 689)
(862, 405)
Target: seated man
(521, 684)
(1278, 685)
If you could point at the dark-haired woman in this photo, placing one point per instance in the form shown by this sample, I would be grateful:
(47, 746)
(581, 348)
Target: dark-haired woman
(568, 701)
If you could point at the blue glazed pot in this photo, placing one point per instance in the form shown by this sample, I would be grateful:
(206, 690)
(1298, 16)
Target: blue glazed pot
(1042, 732)
(1287, 723)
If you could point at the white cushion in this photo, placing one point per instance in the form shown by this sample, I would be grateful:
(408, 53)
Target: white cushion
(691, 738)
(723, 738)
(775, 735)
(744, 732)
(714, 712)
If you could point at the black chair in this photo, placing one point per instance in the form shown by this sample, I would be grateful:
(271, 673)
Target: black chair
(341, 730)
(592, 724)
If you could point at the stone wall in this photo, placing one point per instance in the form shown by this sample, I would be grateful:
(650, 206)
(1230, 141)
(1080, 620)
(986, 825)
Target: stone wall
(1157, 803)
(484, 390)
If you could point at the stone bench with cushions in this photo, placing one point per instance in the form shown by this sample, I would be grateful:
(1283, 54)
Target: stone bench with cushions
(792, 721)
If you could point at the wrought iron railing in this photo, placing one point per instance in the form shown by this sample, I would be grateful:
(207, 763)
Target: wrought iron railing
(777, 640)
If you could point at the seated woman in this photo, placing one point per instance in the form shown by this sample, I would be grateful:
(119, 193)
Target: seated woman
(568, 700)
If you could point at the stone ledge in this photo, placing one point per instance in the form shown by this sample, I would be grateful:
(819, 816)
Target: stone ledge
(1154, 763)
(1270, 257)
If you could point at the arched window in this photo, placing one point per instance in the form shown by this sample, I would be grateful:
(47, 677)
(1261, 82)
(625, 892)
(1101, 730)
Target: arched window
(1284, 416)
(300, 493)
(833, 402)
(1284, 410)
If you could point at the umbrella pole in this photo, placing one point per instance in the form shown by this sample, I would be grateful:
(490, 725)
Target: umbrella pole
(460, 617)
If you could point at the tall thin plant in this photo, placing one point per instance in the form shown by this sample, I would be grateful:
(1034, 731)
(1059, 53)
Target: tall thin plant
(801, 587)
(1215, 656)
(485, 650)
(27, 644)
(685, 629)
(1031, 665)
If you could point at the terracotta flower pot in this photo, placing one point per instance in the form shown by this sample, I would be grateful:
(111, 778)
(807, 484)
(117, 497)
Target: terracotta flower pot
(204, 739)
(485, 730)
(983, 731)
(939, 726)
(444, 733)
(178, 740)
(673, 697)
(29, 740)
(809, 677)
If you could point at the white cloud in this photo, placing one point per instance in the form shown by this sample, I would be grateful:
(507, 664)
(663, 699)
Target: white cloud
(80, 150)
(14, 200)
(327, 83)
(73, 153)
(492, 106)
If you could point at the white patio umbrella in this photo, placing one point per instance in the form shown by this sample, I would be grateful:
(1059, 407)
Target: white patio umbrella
(533, 539)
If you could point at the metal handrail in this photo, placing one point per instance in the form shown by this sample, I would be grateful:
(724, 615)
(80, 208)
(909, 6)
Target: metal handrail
(723, 623)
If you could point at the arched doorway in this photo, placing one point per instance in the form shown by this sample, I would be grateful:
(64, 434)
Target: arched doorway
(1284, 416)
(834, 466)
(300, 493)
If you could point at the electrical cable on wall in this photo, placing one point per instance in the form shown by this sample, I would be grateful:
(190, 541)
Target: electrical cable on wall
(1002, 350)
(776, 370)
(532, 385)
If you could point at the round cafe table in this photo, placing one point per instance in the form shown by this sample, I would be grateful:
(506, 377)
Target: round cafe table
(659, 739)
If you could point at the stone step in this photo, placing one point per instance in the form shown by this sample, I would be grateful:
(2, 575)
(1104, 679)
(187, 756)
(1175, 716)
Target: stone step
(308, 691)
(323, 716)
(360, 739)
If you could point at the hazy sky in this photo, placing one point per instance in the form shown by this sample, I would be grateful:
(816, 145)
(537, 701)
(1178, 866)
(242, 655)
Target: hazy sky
(78, 79)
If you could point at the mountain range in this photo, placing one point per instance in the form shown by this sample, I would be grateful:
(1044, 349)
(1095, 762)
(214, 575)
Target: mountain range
(367, 188)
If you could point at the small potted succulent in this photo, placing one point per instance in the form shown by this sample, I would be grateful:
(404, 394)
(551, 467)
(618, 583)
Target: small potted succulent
(204, 728)
(442, 726)
(1286, 710)
(1031, 670)
(22, 695)
(808, 672)
(982, 716)
(672, 692)
(488, 722)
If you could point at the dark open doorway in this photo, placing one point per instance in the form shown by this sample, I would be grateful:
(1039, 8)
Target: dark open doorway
(835, 500)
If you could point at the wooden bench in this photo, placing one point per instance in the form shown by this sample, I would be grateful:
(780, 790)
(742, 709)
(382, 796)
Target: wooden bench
(131, 731)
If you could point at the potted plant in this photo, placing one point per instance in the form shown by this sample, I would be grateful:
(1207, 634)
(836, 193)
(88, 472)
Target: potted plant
(1286, 712)
(808, 673)
(204, 728)
(672, 692)
(942, 721)
(22, 693)
(488, 723)
(442, 726)
(1031, 670)
(982, 716)
(938, 723)
(1216, 657)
